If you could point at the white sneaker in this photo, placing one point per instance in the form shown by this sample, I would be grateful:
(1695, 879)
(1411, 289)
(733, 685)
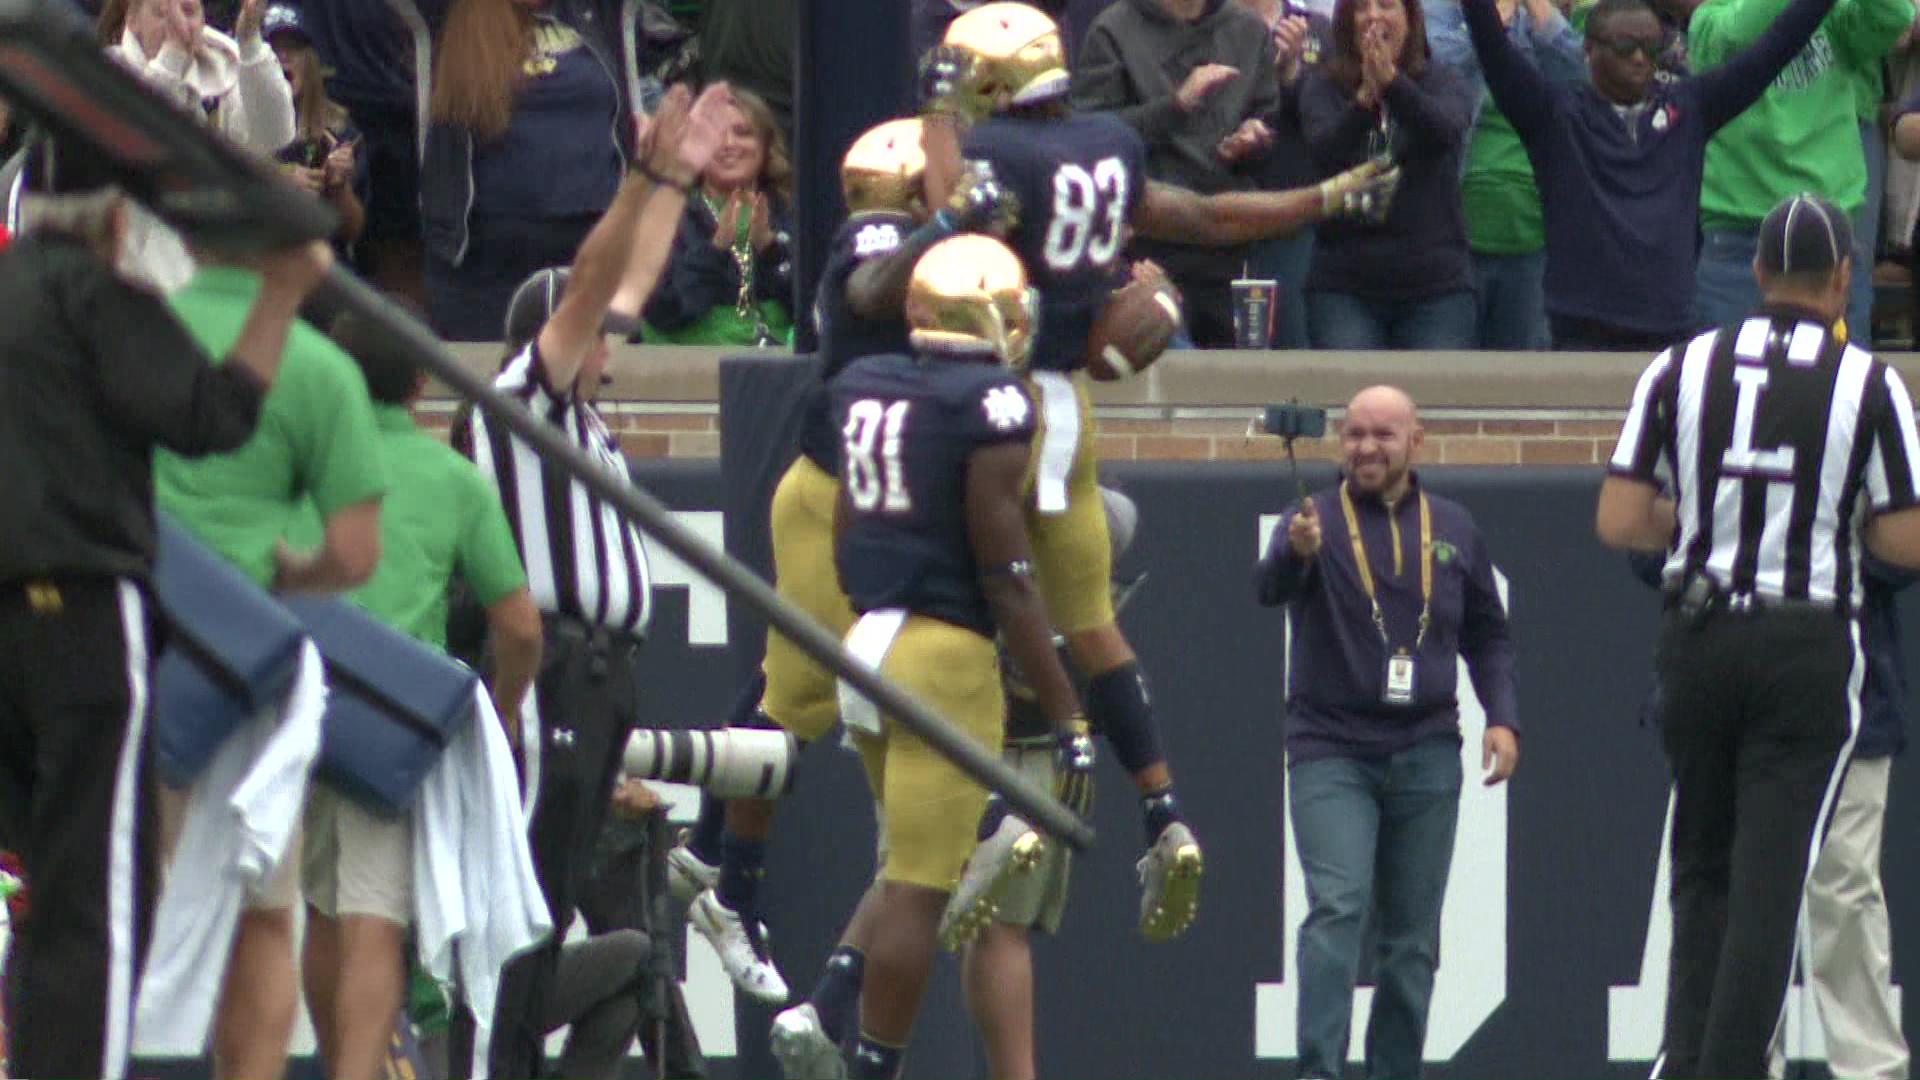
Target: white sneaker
(1169, 883)
(803, 1048)
(1008, 855)
(743, 956)
(688, 875)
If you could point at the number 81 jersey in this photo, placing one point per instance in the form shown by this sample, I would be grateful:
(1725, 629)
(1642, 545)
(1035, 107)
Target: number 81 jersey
(908, 428)
(1078, 179)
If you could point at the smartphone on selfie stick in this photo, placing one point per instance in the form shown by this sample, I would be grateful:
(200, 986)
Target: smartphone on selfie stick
(1295, 421)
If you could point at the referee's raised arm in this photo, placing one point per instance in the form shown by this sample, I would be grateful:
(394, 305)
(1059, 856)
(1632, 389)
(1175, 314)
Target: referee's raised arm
(681, 135)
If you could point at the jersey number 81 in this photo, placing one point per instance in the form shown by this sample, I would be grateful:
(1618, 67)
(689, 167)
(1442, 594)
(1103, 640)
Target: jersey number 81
(871, 471)
(1089, 210)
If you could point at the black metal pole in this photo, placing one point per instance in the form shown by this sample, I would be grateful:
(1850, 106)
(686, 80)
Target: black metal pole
(1035, 804)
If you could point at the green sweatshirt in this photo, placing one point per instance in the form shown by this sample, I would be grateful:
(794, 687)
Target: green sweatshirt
(1497, 193)
(1802, 135)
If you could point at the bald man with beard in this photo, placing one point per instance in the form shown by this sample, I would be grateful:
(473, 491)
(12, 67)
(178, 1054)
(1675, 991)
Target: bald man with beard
(1389, 586)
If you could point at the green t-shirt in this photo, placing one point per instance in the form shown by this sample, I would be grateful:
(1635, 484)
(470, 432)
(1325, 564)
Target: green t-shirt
(1802, 135)
(1497, 192)
(441, 519)
(315, 440)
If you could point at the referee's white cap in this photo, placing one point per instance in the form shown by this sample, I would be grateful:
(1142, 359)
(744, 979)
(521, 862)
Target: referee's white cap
(1804, 234)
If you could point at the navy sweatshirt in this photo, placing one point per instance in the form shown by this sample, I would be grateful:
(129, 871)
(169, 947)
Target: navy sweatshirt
(1334, 706)
(1420, 251)
(1621, 197)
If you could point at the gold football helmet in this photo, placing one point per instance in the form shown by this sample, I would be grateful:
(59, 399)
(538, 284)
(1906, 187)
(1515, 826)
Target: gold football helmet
(1018, 57)
(969, 294)
(884, 168)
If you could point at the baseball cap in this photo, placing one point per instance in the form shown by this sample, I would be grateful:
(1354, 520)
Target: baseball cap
(1805, 234)
(535, 301)
(283, 19)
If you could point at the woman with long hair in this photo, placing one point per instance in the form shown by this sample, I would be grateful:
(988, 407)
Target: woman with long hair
(324, 154)
(729, 280)
(530, 133)
(1407, 282)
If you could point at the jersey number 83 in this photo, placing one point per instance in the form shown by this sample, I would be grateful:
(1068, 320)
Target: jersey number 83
(1089, 215)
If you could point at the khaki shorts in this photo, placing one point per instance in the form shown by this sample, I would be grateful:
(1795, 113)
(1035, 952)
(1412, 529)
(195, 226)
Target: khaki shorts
(800, 694)
(355, 861)
(277, 893)
(1039, 900)
(929, 809)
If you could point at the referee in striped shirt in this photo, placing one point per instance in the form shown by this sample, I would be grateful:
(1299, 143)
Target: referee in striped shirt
(585, 564)
(1785, 449)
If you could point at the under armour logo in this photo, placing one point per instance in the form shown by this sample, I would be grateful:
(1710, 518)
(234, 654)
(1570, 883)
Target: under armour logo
(561, 737)
(1006, 407)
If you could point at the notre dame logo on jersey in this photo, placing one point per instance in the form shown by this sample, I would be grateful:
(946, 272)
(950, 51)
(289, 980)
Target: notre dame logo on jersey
(1006, 407)
(877, 239)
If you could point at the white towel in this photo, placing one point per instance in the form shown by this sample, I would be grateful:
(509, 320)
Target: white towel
(241, 818)
(473, 878)
(1059, 438)
(868, 641)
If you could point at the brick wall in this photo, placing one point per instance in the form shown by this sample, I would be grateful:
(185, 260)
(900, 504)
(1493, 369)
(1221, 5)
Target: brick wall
(1454, 439)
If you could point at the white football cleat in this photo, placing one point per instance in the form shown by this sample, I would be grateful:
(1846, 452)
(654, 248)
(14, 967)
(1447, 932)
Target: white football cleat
(803, 1048)
(688, 875)
(743, 956)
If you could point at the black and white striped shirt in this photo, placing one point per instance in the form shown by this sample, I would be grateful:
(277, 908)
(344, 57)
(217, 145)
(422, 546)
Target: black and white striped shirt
(1777, 442)
(582, 559)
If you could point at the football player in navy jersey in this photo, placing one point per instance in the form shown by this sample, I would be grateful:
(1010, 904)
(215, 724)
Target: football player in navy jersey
(858, 311)
(996, 93)
(931, 547)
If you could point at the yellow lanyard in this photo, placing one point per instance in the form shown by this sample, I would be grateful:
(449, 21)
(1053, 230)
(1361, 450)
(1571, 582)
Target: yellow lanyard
(1366, 568)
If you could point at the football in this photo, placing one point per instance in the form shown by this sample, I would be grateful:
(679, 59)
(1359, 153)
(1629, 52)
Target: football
(1132, 330)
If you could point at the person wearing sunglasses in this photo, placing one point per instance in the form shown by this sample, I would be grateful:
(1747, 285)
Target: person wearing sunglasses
(1619, 157)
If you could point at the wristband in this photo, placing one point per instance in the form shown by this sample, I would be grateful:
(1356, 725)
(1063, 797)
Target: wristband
(683, 187)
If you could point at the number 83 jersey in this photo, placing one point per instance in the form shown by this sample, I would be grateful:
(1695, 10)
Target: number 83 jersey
(1078, 179)
(909, 426)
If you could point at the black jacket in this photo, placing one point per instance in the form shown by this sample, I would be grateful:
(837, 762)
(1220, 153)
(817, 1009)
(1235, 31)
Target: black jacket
(94, 373)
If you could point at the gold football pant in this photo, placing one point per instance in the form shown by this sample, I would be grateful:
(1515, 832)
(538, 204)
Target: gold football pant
(929, 809)
(1072, 555)
(800, 694)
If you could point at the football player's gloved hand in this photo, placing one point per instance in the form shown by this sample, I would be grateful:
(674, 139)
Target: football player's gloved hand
(981, 203)
(1073, 768)
(1364, 191)
(946, 84)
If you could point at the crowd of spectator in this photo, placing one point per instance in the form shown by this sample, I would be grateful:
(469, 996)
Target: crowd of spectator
(1569, 182)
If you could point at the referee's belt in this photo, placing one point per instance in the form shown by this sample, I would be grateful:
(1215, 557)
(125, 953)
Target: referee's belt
(1699, 598)
(600, 640)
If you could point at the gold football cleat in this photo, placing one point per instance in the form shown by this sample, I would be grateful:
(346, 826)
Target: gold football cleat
(993, 870)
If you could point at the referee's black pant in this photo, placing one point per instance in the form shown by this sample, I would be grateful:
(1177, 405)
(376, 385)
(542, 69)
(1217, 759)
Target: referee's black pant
(586, 699)
(1759, 712)
(75, 798)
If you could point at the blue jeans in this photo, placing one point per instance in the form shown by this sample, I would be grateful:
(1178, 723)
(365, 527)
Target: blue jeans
(1866, 237)
(1344, 321)
(1510, 291)
(1727, 293)
(1287, 260)
(1372, 834)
